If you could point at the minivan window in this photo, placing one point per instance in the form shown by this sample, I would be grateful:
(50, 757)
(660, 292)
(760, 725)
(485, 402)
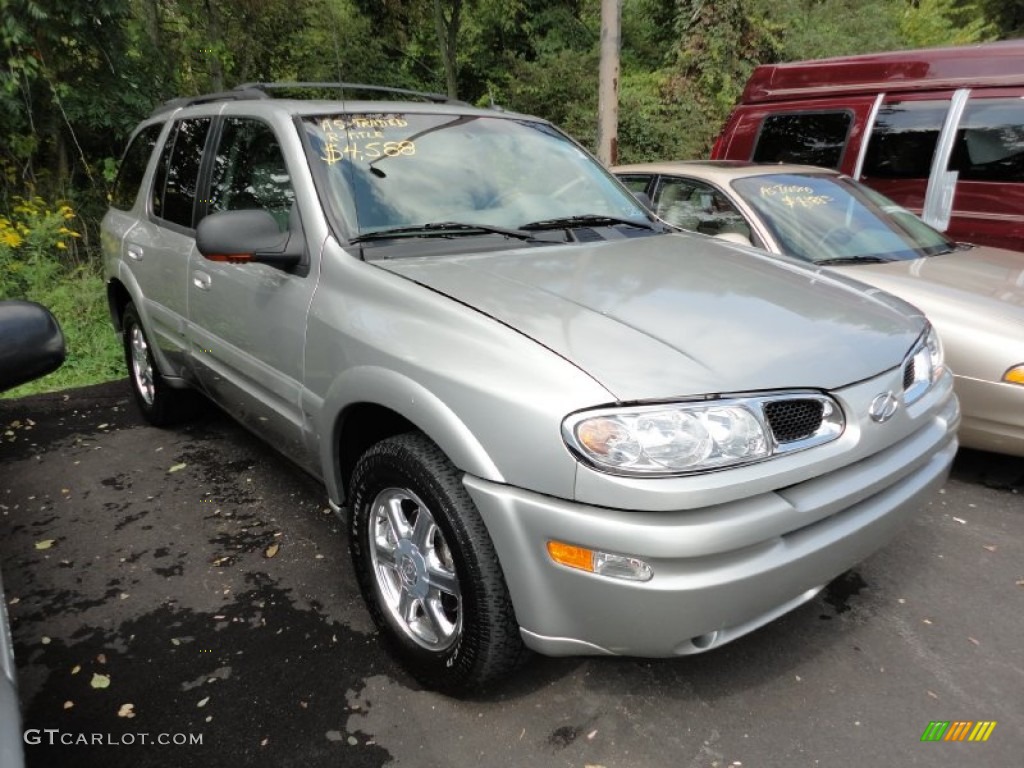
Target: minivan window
(181, 168)
(133, 167)
(989, 144)
(903, 139)
(808, 138)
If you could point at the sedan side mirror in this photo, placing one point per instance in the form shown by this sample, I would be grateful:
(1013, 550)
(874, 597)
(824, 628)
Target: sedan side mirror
(241, 237)
(31, 343)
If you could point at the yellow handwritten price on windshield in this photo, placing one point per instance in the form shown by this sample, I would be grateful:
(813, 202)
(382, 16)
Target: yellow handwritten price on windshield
(805, 201)
(370, 150)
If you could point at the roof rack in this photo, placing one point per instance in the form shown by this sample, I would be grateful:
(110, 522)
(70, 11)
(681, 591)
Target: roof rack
(237, 94)
(251, 91)
(438, 98)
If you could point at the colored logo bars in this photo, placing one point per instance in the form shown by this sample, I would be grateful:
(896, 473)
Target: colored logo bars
(958, 730)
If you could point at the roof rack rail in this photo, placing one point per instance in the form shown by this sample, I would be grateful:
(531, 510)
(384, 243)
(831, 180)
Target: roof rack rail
(438, 98)
(252, 91)
(240, 93)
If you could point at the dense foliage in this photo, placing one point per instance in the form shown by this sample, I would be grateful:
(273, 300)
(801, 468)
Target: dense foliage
(79, 74)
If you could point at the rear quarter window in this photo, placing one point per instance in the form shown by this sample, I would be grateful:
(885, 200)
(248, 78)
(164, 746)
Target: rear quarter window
(807, 138)
(133, 167)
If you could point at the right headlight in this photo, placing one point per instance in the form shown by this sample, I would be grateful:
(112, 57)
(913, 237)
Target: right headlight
(680, 438)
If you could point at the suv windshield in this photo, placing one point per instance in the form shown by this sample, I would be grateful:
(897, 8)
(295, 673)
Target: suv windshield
(834, 219)
(403, 171)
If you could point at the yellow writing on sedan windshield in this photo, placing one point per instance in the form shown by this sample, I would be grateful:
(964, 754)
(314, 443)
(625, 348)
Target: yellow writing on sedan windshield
(795, 196)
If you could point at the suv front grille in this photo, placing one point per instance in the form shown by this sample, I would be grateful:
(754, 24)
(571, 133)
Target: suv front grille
(792, 420)
(908, 373)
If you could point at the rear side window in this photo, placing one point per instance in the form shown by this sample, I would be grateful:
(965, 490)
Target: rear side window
(698, 207)
(990, 142)
(174, 194)
(808, 138)
(133, 167)
(903, 140)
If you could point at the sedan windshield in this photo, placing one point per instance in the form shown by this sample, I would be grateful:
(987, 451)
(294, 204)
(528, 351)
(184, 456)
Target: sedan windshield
(830, 219)
(414, 174)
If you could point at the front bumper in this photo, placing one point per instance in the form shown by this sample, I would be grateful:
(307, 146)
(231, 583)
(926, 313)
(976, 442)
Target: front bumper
(723, 570)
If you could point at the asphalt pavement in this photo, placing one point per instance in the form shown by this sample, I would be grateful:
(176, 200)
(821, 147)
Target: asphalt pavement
(185, 598)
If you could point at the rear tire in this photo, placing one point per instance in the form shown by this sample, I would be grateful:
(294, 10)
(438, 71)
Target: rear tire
(428, 570)
(160, 404)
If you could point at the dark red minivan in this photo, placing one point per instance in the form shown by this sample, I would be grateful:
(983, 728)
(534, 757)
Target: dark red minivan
(940, 131)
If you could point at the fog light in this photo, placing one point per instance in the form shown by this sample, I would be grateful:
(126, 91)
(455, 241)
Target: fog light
(602, 563)
(1015, 375)
(622, 567)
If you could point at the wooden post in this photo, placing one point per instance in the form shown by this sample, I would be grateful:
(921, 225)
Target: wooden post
(608, 85)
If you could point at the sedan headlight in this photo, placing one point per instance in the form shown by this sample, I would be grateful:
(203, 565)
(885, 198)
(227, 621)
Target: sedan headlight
(668, 439)
(923, 367)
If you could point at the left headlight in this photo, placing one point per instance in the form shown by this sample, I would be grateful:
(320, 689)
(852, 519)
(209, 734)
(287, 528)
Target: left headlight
(925, 364)
(668, 439)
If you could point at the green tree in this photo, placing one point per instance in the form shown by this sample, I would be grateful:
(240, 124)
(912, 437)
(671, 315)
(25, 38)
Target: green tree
(944, 22)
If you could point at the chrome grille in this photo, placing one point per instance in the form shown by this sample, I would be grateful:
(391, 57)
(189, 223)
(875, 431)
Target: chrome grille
(794, 419)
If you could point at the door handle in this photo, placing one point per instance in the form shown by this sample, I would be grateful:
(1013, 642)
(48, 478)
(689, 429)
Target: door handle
(201, 280)
(134, 253)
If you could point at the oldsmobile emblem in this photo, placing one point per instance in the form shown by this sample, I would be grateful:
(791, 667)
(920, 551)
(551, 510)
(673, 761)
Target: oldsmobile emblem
(883, 407)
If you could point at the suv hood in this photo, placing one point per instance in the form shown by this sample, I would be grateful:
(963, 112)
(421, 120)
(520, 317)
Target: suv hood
(670, 316)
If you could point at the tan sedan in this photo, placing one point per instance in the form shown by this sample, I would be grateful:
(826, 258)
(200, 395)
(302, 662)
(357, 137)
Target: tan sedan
(973, 295)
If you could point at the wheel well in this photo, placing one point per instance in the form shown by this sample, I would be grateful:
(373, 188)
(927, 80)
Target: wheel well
(117, 299)
(363, 425)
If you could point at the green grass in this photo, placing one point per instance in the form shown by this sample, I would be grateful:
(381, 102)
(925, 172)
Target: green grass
(78, 301)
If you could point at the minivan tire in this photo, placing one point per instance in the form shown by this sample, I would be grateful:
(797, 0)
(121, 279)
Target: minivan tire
(427, 568)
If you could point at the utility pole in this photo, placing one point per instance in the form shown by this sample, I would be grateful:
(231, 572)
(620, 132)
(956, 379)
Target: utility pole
(608, 85)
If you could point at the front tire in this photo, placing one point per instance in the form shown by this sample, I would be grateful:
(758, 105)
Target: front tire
(160, 404)
(427, 568)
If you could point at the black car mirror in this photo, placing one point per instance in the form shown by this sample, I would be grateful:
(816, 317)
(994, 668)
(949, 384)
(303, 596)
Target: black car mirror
(31, 342)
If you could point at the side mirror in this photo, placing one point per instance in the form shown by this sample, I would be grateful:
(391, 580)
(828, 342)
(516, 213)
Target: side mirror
(31, 343)
(241, 237)
(645, 200)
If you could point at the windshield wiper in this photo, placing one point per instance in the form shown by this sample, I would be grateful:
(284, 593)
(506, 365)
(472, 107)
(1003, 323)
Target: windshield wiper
(851, 260)
(442, 229)
(586, 220)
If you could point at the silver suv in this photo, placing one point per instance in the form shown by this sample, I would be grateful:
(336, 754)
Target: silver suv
(554, 423)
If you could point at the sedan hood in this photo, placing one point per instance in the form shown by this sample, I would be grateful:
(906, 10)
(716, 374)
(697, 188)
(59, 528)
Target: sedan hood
(671, 316)
(975, 298)
(983, 281)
